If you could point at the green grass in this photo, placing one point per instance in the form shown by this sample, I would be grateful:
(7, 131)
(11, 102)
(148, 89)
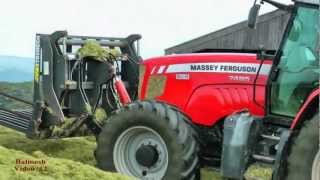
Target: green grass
(209, 174)
(255, 172)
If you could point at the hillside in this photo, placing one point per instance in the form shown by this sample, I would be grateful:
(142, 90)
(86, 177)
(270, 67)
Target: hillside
(16, 69)
(22, 90)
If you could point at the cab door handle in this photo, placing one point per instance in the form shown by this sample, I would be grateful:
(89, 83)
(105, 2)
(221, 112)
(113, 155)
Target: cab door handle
(274, 74)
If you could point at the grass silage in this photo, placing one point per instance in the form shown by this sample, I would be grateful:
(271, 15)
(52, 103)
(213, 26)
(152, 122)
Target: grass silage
(70, 158)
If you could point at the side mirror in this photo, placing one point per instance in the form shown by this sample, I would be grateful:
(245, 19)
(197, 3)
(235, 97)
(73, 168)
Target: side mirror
(253, 16)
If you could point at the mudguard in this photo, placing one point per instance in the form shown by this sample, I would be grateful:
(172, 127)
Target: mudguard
(312, 98)
(240, 133)
(277, 170)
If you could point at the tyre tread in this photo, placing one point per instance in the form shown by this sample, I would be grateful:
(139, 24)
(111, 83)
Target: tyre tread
(176, 121)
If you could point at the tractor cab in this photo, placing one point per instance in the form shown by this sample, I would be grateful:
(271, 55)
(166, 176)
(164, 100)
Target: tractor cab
(295, 71)
(288, 136)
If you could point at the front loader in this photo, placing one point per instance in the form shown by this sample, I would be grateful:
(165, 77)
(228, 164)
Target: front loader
(69, 87)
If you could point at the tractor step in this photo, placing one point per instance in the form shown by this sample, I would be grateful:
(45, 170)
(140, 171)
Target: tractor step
(271, 137)
(265, 159)
(266, 148)
(18, 120)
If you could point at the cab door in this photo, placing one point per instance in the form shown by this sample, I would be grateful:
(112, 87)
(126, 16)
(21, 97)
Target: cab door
(296, 70)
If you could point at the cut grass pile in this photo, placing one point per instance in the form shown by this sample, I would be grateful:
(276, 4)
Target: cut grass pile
(71, 158)
(55, 168)
(65, 158)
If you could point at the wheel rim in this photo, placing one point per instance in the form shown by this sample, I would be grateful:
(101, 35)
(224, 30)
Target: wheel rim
(316, 167)
(127, 153)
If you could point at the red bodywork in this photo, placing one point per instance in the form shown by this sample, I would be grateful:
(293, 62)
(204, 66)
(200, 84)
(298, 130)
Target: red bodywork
(315, 94)
(122, 92)
(209, 87)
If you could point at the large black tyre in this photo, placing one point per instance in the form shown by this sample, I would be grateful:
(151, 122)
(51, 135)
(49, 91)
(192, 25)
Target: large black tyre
(168, 124)
(303, 151)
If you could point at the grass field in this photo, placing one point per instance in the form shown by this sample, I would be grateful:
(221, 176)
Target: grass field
(70, 157)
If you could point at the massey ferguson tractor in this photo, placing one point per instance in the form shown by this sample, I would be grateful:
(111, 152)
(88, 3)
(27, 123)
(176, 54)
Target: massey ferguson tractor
(224, 110)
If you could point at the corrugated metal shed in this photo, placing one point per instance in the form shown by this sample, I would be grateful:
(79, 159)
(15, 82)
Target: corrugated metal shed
(239, 37)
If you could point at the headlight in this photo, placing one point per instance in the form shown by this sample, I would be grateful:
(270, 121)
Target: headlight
(155, 86)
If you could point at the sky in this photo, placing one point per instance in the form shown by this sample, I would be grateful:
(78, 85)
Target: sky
(162, 23)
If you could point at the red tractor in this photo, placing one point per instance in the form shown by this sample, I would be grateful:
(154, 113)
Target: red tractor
(224, 109)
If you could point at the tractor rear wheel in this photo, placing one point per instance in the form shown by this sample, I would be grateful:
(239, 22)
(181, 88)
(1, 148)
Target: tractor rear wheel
(149, 140)
(302, 157)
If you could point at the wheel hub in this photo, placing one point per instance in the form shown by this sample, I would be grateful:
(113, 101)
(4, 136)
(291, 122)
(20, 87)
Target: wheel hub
(147, 155)
(316, 167)
(141, 152)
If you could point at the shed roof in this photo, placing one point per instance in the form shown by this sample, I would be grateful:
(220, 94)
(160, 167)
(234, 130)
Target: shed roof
(268, 33)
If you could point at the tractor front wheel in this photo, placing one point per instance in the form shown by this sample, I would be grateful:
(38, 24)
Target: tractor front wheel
(149, 140)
